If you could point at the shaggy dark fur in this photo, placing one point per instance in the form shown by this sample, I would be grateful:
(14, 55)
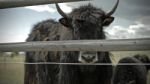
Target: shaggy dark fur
(130, 74)
(86, 23)
(42, 74)
(144, 59)
(85, 74)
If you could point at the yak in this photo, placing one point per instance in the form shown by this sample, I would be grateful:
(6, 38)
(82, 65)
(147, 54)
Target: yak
(131, 74)
(83, 23)
(144, 59)
(42, 73)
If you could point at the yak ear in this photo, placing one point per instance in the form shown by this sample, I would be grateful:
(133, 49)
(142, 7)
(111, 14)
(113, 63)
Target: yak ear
(108, 21)
(65, 22)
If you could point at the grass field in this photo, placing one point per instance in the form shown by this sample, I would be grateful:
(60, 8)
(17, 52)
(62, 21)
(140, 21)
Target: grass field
(11, 73)
(14, 73)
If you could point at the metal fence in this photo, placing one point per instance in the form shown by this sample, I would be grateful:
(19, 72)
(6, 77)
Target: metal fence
(21, 3)
(80, 45)
(76, 45)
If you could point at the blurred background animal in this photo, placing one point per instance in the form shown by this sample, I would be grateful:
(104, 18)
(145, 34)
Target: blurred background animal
(134, 72)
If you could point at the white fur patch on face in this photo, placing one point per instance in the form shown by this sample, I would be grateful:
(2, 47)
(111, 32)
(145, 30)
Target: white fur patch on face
(88, 57)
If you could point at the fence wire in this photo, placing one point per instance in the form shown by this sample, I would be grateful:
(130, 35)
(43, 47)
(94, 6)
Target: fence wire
(56, 63)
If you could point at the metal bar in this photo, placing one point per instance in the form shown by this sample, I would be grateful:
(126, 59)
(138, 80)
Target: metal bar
(57, 63)
(21, 3)
(79, 45)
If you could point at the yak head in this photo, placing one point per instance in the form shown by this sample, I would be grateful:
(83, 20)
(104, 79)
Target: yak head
(87, 22)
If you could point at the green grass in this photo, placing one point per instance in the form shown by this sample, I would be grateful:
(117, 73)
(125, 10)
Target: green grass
(11, 73)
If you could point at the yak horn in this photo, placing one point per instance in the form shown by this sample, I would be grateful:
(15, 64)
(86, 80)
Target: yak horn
(60, 11)
(113, 10)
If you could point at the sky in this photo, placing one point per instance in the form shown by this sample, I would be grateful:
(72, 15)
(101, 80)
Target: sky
(132, 19)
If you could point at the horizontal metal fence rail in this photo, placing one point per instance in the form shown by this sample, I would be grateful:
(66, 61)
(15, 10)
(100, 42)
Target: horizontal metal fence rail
(79, 45)
(57, 63)
(21, 3)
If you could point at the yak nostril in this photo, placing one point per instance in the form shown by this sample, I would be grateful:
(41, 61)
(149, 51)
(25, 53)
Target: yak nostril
(93, 57)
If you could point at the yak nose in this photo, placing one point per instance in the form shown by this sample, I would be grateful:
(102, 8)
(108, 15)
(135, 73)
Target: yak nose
(89, 58)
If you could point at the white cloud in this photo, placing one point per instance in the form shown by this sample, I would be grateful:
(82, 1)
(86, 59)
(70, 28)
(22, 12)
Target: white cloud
(41, 8)
(138, 30)
(13, 38)
(50, 8)
(65, 7)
